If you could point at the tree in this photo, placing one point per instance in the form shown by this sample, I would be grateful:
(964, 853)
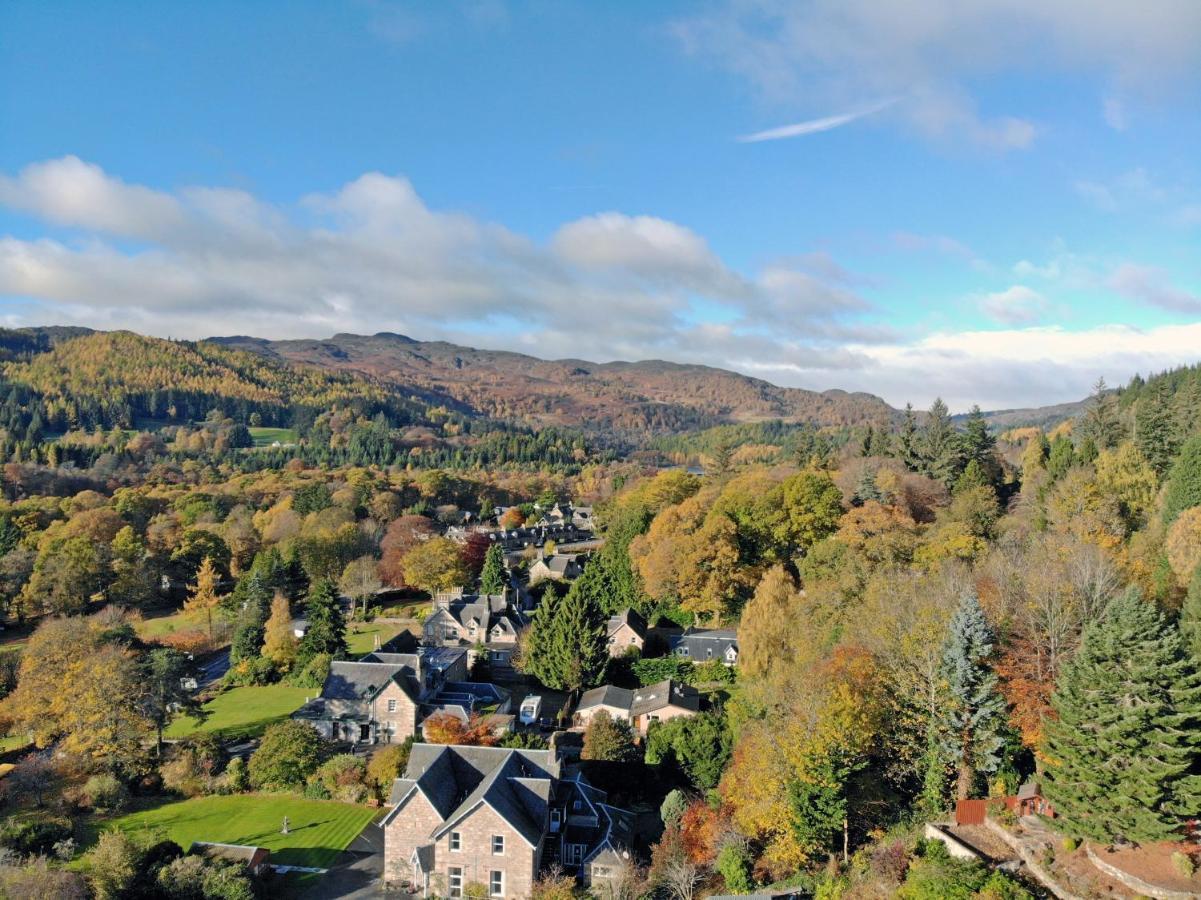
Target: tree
(907, 448)
(1183, 544)
(1154, 430)
(941, 447)
(387, 764)
(204, 597)
(288, 754)
(1190, 617)
(765, 636)
(700, 745)
(608, 740)
(113, 865)
(567, 648)
(165, 670)
(435, 565)
(974, 715)
(811, 505)
(1184, 481)
(447, 728)
(402, 535)
(1100, 422)
(1127, 739)
(494, 577)
(360, 580)
(67, 575)
(279, 638)
(326, 633)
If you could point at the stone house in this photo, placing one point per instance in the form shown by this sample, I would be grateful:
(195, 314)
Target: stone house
(469, 621)
(383, 697)
(560, 567)
(640, 707)
(490, 816)
(625, 630)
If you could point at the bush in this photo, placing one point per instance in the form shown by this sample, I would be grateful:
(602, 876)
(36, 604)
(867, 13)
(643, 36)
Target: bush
(386, 766)
(105, 793)
(251, 672)
(1069, 844)
(673, 807)
(1183, 864)
(289, 753)
(314, 673)
(34, 837)
(652, 671)
(237, 777)
(192, 767)
(342, 777)
(734, 863)
(712, 671)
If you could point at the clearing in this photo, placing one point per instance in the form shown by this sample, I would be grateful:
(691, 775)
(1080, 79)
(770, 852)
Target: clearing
(244, 712)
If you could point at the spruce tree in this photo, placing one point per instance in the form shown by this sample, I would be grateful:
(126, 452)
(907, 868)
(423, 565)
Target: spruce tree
(1154, 426)
(493, 576)
(1127, 732)
(326, 632)
(1190, 617)
(941, 446)
(979, 445)
(974, 713)
(566, 649)
(907, 450)
(1184, 481)
(1100, 421)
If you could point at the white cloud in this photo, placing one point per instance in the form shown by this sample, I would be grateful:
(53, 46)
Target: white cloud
(1017, 305)
(815, 126)
(830, 52)
(1150, 286)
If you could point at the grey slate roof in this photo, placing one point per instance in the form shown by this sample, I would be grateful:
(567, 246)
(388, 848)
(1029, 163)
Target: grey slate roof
(701, 645)
(627, 617)
(605, 695)
(642, 700)
(362, 680)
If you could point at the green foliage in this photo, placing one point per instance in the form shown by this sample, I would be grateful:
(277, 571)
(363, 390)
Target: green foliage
(494, 577)
(1127, 735)
(973, 716)
(699, 746)
(658, 668)
(934, 875)
(566, 647)
(734, 864)
(607, 739)
(342, 777)
(673, 807)
(818, 805)
(1184, 481)
(326, 634)
(289, 753)
(1190, 617)
(105, 792)
(1183, 864)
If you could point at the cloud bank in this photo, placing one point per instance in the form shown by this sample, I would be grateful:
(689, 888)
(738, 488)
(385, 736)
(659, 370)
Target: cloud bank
(373, 256)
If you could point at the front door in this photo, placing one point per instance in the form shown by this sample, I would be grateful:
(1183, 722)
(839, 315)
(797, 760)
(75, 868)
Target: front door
(364, 733)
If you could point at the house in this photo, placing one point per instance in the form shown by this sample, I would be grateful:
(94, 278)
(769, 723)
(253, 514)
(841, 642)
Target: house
(495, 817)
(641, 706)
(254, 858)
(460, 620)
(560, 567)
(383, 697)
(705, 645)
(626, 629)
(1028, 801)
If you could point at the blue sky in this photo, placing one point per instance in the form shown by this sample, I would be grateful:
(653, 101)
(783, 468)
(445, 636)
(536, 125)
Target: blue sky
(996, 203)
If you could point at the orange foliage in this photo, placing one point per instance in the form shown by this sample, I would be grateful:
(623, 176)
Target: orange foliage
(1027, 689)
(701, 829)
(445, 728)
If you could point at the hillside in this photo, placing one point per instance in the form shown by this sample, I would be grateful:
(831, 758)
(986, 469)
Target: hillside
(647, 396)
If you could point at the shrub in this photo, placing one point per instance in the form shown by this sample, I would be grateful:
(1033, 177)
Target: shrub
(673, 807)
(386, 765)
(251, 672)
(314, 673)
(1183, 864)
(289, 753)
(34, 837)
(652, 671)
(105, 792)
(1069, 844)
(342, 777)
(237, 777)
(734, 863)
(712, 671)
(193, 765)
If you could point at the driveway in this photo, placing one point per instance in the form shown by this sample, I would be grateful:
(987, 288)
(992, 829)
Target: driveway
(357, 874)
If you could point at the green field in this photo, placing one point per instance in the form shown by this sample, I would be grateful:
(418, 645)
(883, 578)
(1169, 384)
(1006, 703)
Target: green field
(360, 637)
(14, 742)
(244, 711)
(160, 626)
(265, 437)
(318, 829)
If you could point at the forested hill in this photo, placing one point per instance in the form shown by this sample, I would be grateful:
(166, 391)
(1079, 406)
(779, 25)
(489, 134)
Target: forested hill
(648, 397)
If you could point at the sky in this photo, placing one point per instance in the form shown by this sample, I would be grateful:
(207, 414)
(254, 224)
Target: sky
(995, 202)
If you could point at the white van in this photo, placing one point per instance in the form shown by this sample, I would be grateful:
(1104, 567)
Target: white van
(531, 706)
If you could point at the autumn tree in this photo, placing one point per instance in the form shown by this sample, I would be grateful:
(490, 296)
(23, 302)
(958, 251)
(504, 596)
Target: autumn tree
(360, 581)
(447, 728)
(279, 638)
(607, 739)
(204, 597)
(765, 631)
(435, 565)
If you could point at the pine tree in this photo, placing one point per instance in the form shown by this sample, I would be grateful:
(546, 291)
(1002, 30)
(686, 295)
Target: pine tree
(1100, 421)
(1127, 735)
(867, 489)
(1190, 617)
(493, 577)
(979, 445)
(907, 450)
(254, 600)
(974, 714)
(326, 632)
(1154, 428)
(566, 649)
(941, 446)
(1184, 481)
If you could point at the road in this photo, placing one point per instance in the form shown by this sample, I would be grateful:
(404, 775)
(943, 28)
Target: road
(213, 669)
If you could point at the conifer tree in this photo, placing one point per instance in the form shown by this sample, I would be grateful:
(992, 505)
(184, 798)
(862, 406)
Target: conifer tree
(254, 600)
(326, 632)
(279, 640)
(493, 576)
(974, 713)
(1127, 735)
(941, 446)
(204, 595)
(907, 450)
(1184, 481)
(1100, 422)
(1190, 618)
(1154, 428)
(566, 649)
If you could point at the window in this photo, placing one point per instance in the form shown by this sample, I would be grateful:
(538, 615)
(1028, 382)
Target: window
(577, 805)
(601, 872)
(496, 883)
(498, 845)
(575, 854)
(391, 706)
(456, 842)
(556, 817)
(454, 878)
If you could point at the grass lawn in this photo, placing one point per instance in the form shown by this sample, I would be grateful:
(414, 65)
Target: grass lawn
(244, 711)
(360, 636)
(265, 437)
(14, 742)
(162, 625)
(318, 829)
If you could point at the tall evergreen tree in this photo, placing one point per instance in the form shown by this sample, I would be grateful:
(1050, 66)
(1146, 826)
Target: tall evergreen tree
(1100, 421)
(974, 713)
(1190, 617)
(1154, 427)
(941, 446)
(493, 576)
(253, 600)
(1126, 740)
(326, 625)
(979, 445)
(567, 649)
(907, 449)
(1184, 481)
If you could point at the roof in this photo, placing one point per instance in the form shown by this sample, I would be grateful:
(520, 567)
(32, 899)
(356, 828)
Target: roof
(363, 680)
(243, 853)
(1028, 790)
(642, 700)
(627, 618)
(605, 695)
(455, 780)
(704, 643)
